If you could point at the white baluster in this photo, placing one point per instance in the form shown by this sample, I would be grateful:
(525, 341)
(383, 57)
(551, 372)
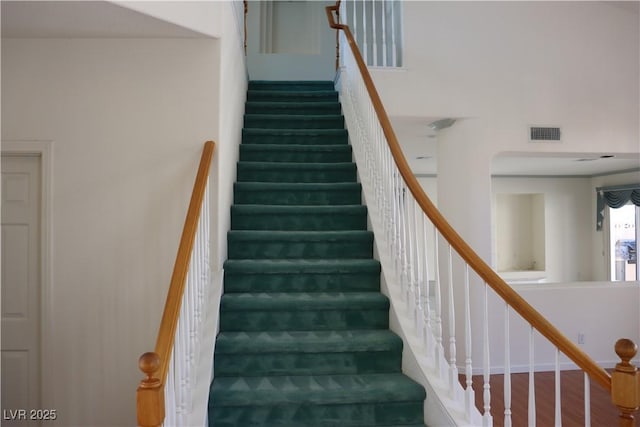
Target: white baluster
(532, 385)
(487, 419)
(354, 24)
(453, 368)
(419, 310)
(365, 50)
(374, 34)
(469, 395)
(427, 333)
(383, 32)
(394, 46)
(438, 305)
(587, 401)
(507, 369)
(170, 393)
(406, 280)
(558, 400)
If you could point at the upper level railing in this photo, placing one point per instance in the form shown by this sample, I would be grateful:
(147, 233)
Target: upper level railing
(377, 28)
(415, 232)
(165, 394)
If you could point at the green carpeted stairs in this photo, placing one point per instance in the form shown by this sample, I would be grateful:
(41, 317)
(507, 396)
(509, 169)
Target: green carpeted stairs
(304, 338)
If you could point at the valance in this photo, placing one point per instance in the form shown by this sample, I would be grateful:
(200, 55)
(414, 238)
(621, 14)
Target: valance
(615, 197)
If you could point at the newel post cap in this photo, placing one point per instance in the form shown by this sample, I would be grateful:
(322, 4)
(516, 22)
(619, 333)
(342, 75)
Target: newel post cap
(150, 393)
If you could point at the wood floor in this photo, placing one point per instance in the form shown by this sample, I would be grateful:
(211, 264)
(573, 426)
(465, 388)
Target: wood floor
(603, 412)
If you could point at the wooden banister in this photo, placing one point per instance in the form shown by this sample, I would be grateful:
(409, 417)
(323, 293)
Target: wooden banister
(246, 11)
(155, 365)
(519, 304)
(337, 10)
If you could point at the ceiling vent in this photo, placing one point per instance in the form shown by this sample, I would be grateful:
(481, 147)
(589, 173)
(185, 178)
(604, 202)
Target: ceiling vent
(544, 134)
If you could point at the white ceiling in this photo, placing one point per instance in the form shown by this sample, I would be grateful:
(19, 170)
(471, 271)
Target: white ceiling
(420, 145)
(82, 19)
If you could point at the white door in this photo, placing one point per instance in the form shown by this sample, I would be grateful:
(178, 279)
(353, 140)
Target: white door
(21, 199)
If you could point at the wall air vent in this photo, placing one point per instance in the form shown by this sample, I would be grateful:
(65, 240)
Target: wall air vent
(544, 134)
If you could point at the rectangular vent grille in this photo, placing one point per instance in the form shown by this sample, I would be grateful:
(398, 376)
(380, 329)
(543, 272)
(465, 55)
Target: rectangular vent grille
(544, 134)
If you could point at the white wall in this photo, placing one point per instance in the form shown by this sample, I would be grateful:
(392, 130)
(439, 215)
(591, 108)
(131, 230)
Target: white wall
(514, 64)
(201, 16)
(233, 92)
(475, 61)
(128, 118)
(602, 311)
(299, 52)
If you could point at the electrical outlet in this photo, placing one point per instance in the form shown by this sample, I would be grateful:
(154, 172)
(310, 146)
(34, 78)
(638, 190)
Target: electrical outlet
(580, 338)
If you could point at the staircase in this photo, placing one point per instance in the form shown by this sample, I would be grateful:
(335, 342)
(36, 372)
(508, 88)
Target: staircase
(304, 338)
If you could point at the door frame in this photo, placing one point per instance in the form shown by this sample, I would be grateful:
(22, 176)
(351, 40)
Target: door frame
(43, 149)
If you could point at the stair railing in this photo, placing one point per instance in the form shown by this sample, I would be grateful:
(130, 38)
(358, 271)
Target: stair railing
(165, 394)
(413, 230)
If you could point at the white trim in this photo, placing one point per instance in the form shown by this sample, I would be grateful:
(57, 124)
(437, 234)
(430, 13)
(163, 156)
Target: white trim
(43, 148)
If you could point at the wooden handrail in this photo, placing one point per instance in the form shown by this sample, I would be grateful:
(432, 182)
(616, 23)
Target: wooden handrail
(337, 10)
(246, 11)
(155, 365)
(483, 270)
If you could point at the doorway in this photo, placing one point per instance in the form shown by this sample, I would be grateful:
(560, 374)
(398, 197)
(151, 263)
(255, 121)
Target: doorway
(21, 307)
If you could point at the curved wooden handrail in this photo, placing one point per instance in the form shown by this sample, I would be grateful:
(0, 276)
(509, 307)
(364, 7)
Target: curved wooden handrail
(156, 365)
(483, 270)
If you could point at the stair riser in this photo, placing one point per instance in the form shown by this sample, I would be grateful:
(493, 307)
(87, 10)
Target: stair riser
(296, 156)
(294, 109)
(307, 363)
(302, 197)
(348, 415)
(312, 138)
(247, 173)
(300, 282)
(298, 222)
(247, 249)
(284, 96)
(291, 85)
(293, 122)
(309, 320)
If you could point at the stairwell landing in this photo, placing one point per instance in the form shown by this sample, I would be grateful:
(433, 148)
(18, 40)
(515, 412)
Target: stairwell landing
(304, 336)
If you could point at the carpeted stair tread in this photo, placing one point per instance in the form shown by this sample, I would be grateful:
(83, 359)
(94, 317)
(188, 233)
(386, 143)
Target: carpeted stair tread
(307, 341)
(317, 389)
(292, 153)
(296, 172)
(368, 414)
(269, 353)
(303, 301)
(303, 311)
(291, 85)
(291, 96)
(295, 136)
(277, 193)
(279, 107)
(266, 244)
(294, 121)
(302, 275)
(277, 266)
(298, 218)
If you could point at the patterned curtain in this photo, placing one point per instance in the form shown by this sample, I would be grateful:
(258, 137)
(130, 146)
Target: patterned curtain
(616, 198)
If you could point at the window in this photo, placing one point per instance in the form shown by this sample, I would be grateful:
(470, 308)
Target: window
(623, 242)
